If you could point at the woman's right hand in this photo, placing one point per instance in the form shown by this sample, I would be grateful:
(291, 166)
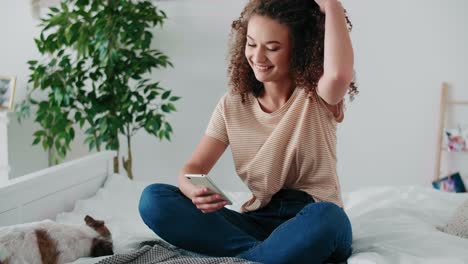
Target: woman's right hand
(207, 201)
(208, 151)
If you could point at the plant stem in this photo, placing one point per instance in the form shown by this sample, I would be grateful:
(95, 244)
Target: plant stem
(49, 157)
(128, 163)
(116, 162)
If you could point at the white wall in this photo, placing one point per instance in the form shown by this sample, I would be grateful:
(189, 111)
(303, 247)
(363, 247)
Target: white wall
(17, 28)
(403, 50)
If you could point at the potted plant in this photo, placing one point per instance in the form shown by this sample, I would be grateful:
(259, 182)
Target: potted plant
(96, 58)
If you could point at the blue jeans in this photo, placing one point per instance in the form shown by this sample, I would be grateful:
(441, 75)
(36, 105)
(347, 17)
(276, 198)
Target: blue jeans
(292, 228)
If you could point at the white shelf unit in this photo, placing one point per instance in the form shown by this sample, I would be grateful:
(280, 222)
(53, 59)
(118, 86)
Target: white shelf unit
(444, 104)
(4, 165)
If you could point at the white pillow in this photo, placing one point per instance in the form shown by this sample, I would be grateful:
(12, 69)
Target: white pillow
(458, 224)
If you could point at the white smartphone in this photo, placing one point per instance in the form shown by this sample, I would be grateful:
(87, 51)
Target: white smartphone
(203, 180)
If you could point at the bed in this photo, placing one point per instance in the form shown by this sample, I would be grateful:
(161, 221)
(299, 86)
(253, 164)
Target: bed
(390, 224)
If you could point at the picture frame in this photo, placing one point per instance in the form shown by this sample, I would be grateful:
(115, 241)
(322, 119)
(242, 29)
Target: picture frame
(40, 8)
(455, 139)
(7, 92)
(451, 183)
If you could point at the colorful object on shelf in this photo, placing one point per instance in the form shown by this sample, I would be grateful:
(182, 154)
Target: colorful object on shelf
(451, 183)
(455, 140)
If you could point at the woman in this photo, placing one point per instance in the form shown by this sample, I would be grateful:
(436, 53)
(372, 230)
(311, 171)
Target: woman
(291, 64)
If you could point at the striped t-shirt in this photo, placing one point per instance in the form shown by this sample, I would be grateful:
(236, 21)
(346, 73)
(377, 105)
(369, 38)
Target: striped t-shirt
(293, 147)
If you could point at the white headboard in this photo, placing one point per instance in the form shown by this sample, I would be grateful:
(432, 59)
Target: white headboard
(45, 193)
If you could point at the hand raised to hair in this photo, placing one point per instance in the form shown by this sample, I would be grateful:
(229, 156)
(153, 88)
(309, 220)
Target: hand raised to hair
(323, 3)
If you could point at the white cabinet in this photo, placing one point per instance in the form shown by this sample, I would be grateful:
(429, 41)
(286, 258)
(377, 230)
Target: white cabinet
(4, 165)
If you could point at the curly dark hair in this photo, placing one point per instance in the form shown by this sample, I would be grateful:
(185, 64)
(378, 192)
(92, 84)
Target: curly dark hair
(306, 25)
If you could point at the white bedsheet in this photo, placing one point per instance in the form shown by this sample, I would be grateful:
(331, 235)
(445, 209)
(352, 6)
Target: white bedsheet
(398, 225)
(390, 224)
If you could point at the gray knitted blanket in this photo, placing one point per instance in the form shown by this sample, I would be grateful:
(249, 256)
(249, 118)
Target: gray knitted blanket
(162, 252)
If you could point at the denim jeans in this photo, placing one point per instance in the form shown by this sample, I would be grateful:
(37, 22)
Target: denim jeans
(292, 228)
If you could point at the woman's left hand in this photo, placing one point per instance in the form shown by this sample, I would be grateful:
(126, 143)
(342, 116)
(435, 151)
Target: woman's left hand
(322, 3)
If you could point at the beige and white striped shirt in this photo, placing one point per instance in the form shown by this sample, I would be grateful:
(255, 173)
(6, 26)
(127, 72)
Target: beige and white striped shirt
(293, 147)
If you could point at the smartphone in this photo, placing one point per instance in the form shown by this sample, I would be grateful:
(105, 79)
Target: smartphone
(202, 180)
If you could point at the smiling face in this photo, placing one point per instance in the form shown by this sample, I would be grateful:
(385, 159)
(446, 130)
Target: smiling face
(268, 49)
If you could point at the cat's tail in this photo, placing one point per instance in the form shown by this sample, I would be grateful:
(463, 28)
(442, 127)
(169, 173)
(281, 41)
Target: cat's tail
(4, 255)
